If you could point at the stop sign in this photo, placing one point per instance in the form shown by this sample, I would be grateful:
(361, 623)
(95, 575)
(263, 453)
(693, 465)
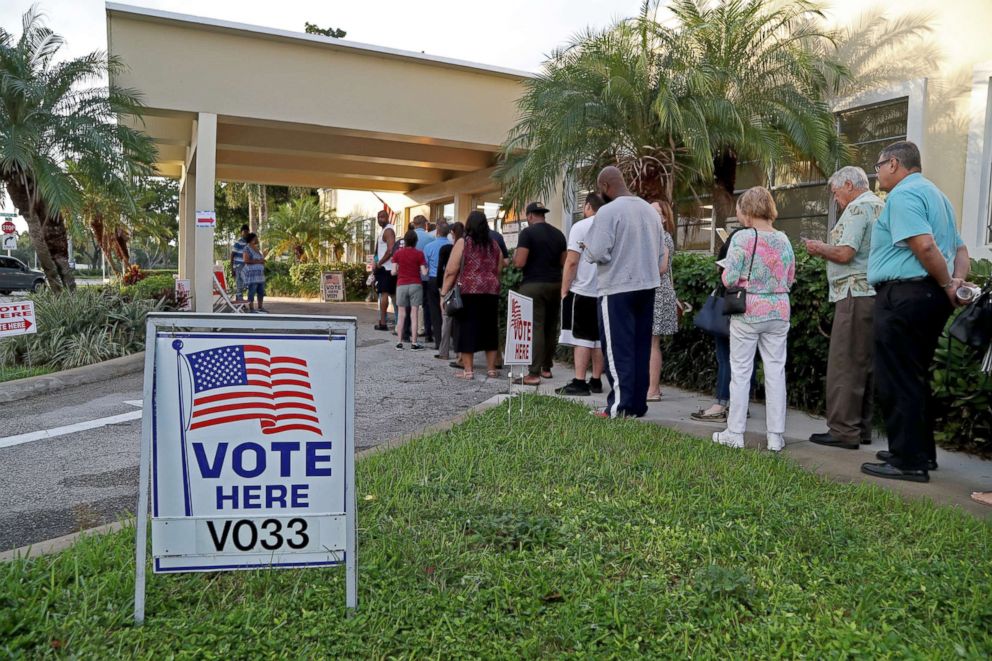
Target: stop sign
(8, 227)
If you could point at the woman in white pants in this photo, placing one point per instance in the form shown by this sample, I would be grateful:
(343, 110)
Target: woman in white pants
(760, 259)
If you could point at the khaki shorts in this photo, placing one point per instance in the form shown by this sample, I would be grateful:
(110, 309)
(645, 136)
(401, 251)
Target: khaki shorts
(410, 295)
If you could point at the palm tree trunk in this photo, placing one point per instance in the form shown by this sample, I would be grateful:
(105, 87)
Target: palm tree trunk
(33, 214)
(724, 184)
(58, 247)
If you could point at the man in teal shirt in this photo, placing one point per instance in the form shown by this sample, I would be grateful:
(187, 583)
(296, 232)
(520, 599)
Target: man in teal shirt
(849, 364)
(917, 262)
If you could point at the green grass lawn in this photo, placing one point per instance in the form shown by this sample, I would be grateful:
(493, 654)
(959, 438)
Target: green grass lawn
(11, 372)
(560, 535)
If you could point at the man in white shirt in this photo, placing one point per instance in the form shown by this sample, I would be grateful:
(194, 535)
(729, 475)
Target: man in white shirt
(385, 281)
(579, 319)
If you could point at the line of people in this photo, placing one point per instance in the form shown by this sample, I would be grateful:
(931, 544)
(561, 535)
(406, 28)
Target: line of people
(893, 271)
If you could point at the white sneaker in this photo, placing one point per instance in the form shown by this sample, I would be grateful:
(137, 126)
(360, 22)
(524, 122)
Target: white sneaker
(776, 442)
(728, 438)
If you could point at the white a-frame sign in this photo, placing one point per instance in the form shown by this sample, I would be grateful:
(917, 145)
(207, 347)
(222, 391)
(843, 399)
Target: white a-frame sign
(247, 445)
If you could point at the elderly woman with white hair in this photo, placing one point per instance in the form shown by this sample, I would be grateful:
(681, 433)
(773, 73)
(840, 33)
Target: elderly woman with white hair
(849, 363)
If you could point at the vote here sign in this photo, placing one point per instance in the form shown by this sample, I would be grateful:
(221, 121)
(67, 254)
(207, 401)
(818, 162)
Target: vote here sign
(249, 450)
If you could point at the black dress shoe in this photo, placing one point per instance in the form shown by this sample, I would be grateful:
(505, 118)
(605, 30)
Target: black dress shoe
(457, 365)
(890, 472)
(829, 441)
(886, 456)
(865, 441)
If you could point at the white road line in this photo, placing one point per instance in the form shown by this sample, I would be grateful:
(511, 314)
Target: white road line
(134, 402)
(11, 441)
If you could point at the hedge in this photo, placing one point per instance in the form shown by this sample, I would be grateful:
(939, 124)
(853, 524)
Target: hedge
(963, 392)
(306, 278)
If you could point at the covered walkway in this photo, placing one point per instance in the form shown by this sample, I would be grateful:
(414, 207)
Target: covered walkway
(233, 102)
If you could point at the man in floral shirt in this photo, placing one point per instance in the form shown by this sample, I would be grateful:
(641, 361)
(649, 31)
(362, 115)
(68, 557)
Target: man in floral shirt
(849, 366)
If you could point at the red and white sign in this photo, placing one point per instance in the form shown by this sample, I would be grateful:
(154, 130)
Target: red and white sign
(17, 319)
(183, 294)
(8, 227)
(519, 330)
(206, 219)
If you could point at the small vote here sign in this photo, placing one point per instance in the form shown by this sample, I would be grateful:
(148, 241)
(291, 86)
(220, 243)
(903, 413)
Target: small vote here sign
(249, 451)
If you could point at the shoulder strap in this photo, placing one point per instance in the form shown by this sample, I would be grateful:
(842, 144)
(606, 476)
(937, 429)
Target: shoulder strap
(753, 253)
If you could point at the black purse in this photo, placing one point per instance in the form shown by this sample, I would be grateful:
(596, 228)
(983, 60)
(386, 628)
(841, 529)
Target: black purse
(973, 326)
(735, 298)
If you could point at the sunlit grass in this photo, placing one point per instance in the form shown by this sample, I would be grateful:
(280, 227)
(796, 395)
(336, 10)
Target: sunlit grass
(557, 535)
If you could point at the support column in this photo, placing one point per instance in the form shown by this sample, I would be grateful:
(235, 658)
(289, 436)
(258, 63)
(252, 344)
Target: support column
(187, 208)
(463, 206)
(203, 194)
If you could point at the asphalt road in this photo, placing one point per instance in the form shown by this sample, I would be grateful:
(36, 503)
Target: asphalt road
(56, 486)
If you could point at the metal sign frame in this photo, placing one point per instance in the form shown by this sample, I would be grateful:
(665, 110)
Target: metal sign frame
(200, 322)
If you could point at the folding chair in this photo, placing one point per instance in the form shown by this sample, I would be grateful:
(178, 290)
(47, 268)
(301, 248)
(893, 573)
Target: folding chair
(223, 302)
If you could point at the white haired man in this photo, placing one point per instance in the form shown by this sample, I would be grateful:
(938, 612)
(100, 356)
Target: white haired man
(849, 363)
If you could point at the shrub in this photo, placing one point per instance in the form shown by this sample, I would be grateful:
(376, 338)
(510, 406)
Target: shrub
(154, 288)
(133, 275)
(306, 278)
(81, 327)
(963, 393)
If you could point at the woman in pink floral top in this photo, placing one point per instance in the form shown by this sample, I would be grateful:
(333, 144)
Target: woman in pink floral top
(765, 323)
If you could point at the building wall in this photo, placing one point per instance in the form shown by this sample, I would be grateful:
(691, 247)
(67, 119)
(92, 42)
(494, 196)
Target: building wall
(959, 33)
(177, 68)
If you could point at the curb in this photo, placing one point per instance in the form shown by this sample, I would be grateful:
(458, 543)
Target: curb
(12, 391)
(50, 546)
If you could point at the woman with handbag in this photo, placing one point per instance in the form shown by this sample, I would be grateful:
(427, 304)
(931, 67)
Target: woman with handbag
(759, 271)
(472, 277)
(712, 320)
(666, 321)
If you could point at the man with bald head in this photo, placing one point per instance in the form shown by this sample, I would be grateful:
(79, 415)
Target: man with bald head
(625, 245)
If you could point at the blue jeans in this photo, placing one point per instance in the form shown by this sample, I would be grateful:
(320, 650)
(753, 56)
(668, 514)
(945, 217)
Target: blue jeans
(723, 371)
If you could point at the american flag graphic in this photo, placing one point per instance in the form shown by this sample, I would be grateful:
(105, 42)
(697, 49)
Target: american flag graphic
(246, 382)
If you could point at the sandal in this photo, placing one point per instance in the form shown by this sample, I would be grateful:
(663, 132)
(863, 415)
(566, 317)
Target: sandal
(522, 381)
(492, 374)
(465, 376)
(983, 497)
(546, 374)
(654, 398)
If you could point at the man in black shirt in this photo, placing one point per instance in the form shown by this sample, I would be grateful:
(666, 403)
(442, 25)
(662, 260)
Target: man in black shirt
(541, 254)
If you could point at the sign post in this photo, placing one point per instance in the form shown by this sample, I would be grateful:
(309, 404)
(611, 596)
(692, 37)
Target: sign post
(247, 448)
(9, 233)
(519, 346)
(332, 286)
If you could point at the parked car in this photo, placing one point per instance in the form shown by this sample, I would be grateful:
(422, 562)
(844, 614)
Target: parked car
(15, 275)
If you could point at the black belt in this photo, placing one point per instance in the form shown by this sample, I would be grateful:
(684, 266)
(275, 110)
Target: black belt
(907, 281)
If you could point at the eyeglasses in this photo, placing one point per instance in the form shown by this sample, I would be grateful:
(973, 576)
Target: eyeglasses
(878, 166)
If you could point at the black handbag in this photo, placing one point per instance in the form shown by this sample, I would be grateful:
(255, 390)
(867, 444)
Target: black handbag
(973, 326)
(710, 318)
(735, 298)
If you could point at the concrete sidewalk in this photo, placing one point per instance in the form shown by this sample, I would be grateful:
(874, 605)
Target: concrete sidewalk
(958, 474)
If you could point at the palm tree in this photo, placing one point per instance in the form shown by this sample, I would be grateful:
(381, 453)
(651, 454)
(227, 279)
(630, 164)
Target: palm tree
(50, 115)
(768, 69)
(678, 106)
(603, 99)
(298, 228)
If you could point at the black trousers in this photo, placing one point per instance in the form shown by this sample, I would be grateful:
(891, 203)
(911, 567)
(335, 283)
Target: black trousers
(909, 319)
(432, 304)
(428, 319)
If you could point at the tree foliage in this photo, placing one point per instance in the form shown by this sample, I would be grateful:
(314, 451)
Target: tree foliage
(674, 104)
(334, 33)
(53, 112)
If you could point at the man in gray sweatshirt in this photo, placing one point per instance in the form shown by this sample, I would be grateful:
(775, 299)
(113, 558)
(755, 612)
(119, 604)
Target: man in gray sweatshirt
(625, 243)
